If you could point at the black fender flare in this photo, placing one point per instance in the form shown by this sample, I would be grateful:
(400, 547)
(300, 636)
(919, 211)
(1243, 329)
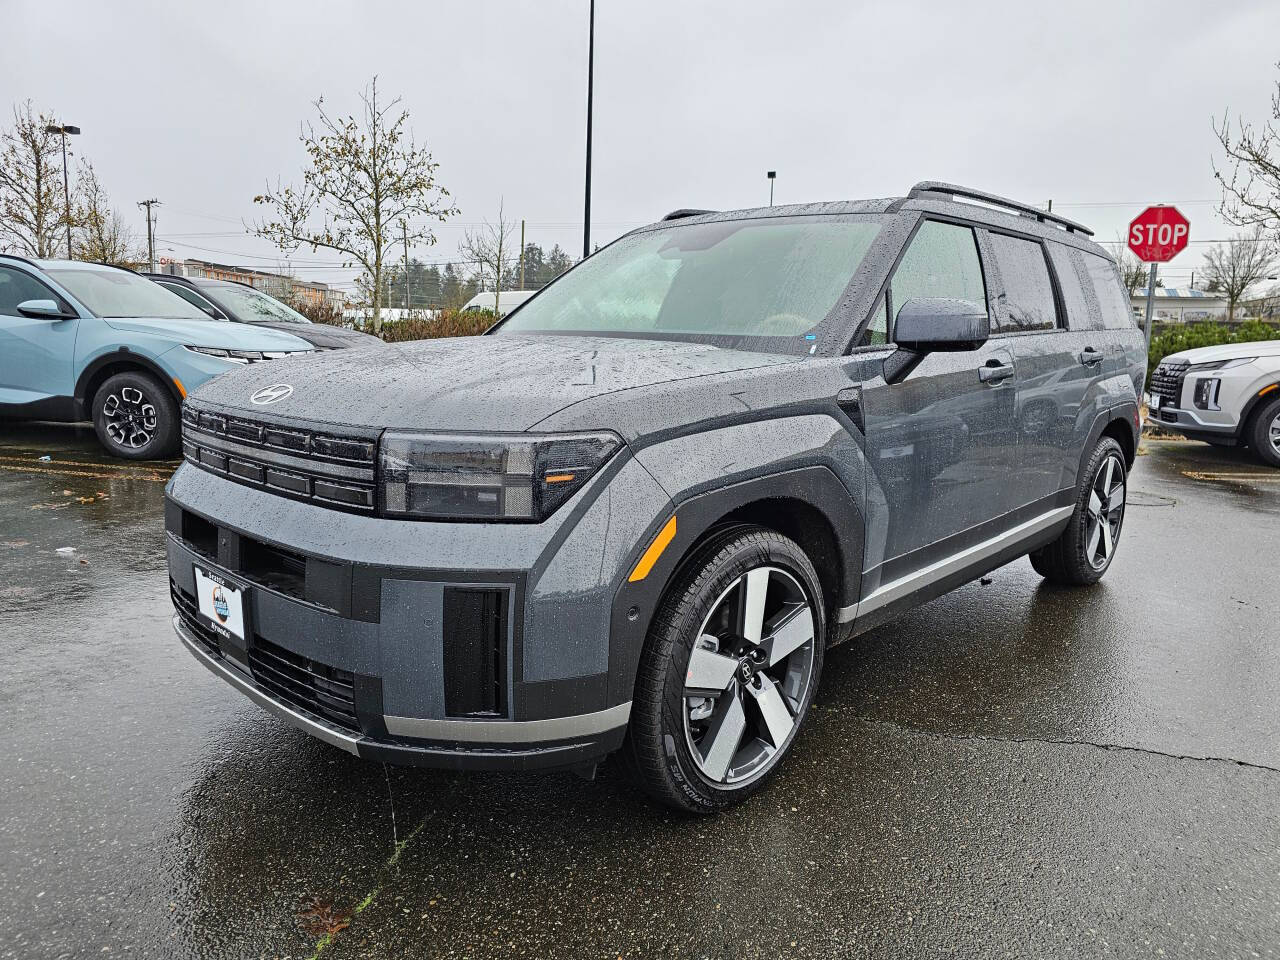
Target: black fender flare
(635, 603)
(1128, 412)
(127, 357)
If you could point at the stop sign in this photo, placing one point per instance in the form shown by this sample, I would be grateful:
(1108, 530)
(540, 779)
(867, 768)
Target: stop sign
(1158, 234)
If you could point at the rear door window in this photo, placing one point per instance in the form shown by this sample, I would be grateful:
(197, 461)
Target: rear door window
(1077, 291)
(1026, 300)
(1107, 287)
(942, 261)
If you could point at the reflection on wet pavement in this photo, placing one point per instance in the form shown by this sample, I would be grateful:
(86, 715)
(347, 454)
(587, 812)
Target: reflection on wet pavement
(1001, 772)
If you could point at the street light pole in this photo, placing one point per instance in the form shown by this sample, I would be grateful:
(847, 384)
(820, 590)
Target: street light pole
(591, 69)
(65, 129)
(772, 175)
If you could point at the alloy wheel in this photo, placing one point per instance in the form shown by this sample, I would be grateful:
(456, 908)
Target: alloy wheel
(129, 418)
(1105, 512)
(749, 675)
(1273, 434)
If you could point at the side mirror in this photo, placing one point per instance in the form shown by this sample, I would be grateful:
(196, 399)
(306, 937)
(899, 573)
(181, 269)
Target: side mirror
(932, 324)
(42, 310)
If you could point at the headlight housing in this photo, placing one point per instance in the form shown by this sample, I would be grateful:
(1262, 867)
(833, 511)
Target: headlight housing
(516, 477)
(243, 356)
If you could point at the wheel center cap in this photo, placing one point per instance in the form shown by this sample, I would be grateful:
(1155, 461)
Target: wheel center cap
(746, 670)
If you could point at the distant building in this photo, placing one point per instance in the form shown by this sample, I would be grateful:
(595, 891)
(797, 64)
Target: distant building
(1179, 305)
(281, 286)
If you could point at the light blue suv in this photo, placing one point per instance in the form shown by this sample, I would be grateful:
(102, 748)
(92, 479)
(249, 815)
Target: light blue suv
(84, 341)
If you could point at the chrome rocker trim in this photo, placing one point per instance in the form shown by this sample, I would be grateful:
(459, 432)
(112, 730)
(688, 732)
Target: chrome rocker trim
(897, 589)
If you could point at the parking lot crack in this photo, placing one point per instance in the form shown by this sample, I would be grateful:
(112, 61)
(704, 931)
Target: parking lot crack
(1095, 744)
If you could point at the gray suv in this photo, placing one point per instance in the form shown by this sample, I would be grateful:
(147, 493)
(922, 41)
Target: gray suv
(631, 517)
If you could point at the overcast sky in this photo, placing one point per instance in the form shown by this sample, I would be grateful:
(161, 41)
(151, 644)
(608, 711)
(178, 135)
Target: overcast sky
(1102, 107)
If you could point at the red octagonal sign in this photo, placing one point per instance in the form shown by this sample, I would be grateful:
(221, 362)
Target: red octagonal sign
(1158, 234)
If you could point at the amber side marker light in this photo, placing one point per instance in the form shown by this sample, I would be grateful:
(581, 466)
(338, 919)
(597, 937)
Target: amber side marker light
(558, 477)
(181, 389)
(660, 542)
(1274, 386)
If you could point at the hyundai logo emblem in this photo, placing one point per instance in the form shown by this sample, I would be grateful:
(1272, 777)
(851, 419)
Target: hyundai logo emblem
(277, 391)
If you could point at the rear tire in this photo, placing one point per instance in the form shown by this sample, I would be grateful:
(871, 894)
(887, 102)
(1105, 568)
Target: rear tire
(1082, 554)
(1264, 433)
(136, 417)
(715, 713)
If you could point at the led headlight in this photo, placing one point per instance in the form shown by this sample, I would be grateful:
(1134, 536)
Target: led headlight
(235, 356)
(486, 476)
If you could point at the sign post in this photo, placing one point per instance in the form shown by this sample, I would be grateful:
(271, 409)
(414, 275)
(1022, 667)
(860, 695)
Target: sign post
(1157, 235)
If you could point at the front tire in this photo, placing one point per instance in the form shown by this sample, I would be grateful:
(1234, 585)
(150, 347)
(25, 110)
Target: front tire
(728, 671)
(1264, 433)
(1082, 554)
(136, 417)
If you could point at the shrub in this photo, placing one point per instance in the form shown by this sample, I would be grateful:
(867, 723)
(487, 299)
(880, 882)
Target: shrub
(319, 312)
(1177, 339)
(445, 323)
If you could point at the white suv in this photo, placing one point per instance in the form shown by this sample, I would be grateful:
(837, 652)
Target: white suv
(1226, 395)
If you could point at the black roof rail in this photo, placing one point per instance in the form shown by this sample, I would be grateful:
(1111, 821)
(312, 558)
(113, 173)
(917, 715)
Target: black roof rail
(21, 259)
(685, 212)
(1022, 209)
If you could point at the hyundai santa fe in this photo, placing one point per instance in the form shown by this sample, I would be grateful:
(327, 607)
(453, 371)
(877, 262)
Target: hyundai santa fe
(632, 517)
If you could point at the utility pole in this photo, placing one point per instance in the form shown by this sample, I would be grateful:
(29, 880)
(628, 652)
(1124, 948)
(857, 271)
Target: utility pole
(772, 175)
(591, 69)
(151, 240)
(405, 228)
(522, 253)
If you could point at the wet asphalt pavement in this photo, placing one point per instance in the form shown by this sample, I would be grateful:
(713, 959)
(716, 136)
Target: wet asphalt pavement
(1010, 770)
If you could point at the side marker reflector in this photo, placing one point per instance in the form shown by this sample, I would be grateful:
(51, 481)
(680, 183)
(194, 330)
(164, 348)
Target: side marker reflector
(1274, 386)
(660, 542)
(181, 389)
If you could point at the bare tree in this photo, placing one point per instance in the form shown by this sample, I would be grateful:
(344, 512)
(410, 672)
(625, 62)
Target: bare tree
(100, 233)
(1133, 271)
(32, 207)
(1251, 188)
(493, 247)
(1238, 264)
(368, 186)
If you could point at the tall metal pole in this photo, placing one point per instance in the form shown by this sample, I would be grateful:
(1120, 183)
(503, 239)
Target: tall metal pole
(66, 189)
(521, 253)
(591, 68)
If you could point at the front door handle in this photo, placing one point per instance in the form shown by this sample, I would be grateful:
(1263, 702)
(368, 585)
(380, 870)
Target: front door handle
(995, 371)
(1089, 356)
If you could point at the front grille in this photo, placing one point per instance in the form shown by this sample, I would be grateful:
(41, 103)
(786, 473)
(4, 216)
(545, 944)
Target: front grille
(1166, 381)
(188, 610)
(319, 466)
(323, 691)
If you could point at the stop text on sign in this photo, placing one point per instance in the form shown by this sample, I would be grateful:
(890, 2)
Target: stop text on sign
(1159, 234)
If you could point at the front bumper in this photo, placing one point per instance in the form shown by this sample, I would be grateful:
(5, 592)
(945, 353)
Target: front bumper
(1191, 426)
(363, 631)
(564, 742)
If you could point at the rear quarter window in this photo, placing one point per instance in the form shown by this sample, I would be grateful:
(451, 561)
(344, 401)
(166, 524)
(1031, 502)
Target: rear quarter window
(1083, 310)
(1107, 287)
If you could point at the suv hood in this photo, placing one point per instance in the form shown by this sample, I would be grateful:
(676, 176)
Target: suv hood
(321, 334)
(468, 383)
(210, 333)
(1229, 351)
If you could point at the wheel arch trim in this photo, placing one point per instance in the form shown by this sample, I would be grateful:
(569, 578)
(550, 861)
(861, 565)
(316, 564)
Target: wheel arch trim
(92, 374)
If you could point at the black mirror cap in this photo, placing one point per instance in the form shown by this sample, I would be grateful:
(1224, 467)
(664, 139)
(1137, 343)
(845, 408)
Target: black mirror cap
(43, 309)
(933, 324)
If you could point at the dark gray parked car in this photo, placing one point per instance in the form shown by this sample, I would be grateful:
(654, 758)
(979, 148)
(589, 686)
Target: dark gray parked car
(241, 303)
(633, 515)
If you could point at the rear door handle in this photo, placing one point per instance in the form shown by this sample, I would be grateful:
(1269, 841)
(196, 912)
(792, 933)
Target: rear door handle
(995, 372)
(1089, 356)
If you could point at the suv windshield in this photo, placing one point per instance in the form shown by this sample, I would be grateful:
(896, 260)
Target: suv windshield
(755, 284)
(253, 305)
(119, 293)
